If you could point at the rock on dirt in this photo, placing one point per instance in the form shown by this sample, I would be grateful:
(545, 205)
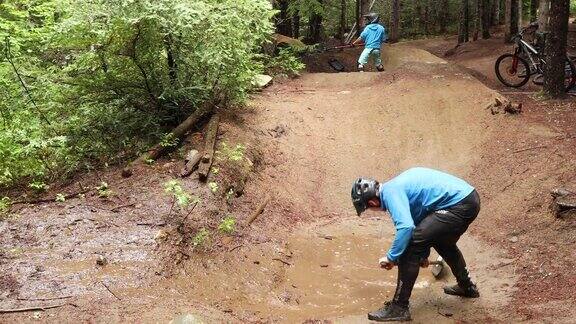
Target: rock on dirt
(101, 260)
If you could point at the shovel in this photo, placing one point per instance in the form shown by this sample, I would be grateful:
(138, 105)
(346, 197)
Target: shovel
(438, 267)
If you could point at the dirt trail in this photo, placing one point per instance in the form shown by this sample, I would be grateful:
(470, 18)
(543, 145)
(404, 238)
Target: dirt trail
(334, 127)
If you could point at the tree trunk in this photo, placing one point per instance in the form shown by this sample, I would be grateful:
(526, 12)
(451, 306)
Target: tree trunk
(507, 5)
(520, 14)
(463, 31)
(485, 18)
(395, 25)
(365, 6)
(512, 19)
(477, 14)
(494, 12)
(502, 12)
(359, 22)
(543, 15)
(283, 21)
(342, 19)
(315, 27)
(426, 17)
(533, 9)
(444, 15)
(419, 15)
(296, 25)
(555, 48)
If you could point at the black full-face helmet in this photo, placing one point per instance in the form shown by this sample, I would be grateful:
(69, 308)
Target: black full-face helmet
(363, 190)
(371, 18)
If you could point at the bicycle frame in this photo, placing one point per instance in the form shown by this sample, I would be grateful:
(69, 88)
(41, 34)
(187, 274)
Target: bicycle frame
(525, 47)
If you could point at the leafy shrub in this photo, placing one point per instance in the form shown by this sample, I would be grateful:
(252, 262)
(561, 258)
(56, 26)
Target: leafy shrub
(181, 197)
(5, 204)
(201, 237)
(235, 153)
(227, 225)
(104, 190)
(95, 82)
(287, 62)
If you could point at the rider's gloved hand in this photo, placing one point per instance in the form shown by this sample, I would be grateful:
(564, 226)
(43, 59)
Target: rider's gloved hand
(386, 264)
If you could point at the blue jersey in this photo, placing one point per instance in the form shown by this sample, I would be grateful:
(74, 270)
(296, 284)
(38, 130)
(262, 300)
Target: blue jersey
(415, 193)
(373, 36)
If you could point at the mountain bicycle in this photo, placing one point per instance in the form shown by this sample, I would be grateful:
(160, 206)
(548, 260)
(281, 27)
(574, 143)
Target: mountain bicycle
(514, 70)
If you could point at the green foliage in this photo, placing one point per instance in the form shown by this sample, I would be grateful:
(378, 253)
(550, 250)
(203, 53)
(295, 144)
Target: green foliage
(287, 62)
(88, 83)
(213, 186)
(5, 204)
(235, 153)
(60, 198)
(201, 237)
(227, 225)
(182, 198)
(104, 190)
(169, 140)
(38, 186)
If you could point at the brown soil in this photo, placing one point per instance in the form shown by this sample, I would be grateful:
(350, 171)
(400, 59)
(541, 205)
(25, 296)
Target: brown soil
(307, 257)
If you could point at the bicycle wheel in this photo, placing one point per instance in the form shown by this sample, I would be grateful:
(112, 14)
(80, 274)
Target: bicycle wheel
(512, 70)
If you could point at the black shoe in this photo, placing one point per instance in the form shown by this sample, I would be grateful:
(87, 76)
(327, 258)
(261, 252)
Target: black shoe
(391, 312)
(469, 292)
(380, 68)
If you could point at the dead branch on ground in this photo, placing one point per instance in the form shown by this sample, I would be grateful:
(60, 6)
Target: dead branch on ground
(210, 141)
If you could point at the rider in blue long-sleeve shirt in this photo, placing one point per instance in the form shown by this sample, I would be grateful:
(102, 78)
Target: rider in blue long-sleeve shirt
(429, 208)
(373, 36)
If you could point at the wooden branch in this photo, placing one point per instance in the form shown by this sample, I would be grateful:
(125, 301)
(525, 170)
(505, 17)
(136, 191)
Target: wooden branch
(43, 200)
(190, 162)
(157, 150)
(285, 262)
(259, 210)
(209, 142)
(29, 309)
(43, 299)
(115, 209)
(110, 291)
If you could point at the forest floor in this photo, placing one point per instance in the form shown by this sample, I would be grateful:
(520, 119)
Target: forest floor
(308, 258)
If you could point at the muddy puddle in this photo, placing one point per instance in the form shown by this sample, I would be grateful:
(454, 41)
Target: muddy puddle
(335, 270)
(324, 271)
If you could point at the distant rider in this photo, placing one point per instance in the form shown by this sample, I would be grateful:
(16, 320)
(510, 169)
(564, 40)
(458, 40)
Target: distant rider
(429, 208)
(372, 36)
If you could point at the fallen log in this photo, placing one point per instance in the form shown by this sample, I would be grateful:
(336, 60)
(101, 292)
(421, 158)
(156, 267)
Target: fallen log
(177, 133)
(209, 142)
(190, 162)
(258, 211)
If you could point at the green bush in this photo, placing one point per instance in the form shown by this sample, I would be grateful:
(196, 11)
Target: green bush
(287, 62)
(94, 82)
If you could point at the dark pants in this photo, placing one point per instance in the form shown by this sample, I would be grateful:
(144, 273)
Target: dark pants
(440, 230)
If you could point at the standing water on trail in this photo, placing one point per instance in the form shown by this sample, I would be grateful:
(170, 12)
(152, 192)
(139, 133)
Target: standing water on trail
(337, 267)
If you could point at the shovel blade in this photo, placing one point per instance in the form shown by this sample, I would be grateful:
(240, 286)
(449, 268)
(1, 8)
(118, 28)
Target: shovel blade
(438, 268)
